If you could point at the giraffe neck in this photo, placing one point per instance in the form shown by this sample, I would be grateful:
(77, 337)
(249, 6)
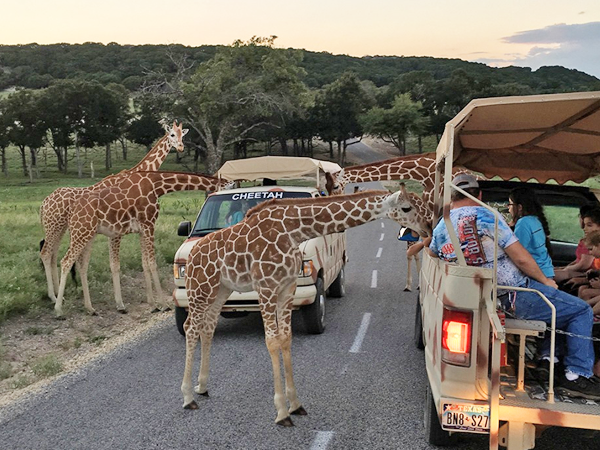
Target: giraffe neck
(418, 168)
(154, 158)
(162, 183)
(305, 219)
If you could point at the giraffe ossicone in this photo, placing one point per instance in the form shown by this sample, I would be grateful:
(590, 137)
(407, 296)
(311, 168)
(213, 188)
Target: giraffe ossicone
(261, 253)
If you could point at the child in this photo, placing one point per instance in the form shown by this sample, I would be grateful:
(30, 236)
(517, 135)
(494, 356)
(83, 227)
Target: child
(575, 272)
(590, 292)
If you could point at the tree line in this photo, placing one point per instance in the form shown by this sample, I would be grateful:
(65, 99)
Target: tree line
(232, 97)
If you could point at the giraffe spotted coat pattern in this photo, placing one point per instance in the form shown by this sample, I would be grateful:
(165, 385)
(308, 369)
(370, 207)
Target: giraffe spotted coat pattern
(130, 206)
(261, 253)
(56, 208)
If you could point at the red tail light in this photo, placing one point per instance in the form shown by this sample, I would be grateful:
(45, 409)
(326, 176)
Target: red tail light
(456, 337)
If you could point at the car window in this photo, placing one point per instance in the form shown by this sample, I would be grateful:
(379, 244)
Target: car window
(220, 211)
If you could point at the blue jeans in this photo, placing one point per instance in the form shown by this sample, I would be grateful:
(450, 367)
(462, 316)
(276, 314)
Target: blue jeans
(573, 315)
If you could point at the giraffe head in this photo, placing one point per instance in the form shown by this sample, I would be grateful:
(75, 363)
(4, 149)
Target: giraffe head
(175, 136)
(409, 210)
(335, 182)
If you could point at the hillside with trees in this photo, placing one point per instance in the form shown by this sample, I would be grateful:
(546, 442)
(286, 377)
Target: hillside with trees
(76, 99)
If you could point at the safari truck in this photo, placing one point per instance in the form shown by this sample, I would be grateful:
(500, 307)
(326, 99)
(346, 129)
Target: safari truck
(324, 257)
(475, 354)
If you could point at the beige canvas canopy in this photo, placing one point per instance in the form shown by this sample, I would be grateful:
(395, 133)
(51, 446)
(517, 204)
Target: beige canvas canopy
(274, 167)
(539, 137)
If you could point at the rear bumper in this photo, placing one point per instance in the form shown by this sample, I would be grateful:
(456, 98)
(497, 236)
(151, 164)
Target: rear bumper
(248, 301)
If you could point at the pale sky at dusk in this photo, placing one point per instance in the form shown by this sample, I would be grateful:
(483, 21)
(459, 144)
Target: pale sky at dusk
(529, 33)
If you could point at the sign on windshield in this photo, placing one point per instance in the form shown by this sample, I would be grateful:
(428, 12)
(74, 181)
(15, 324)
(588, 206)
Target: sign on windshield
(225, 210)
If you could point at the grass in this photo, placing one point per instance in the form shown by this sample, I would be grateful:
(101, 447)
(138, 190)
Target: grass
(46, 366)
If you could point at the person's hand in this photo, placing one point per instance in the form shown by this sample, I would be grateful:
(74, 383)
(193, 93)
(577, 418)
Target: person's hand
(550, 282)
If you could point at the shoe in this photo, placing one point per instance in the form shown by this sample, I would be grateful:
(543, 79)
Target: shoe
(582, 387)
(542, 370)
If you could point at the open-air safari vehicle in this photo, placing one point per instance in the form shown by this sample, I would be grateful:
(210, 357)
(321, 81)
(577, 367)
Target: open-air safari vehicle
(471, 386)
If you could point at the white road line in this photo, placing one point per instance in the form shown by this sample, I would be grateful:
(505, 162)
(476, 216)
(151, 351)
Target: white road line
(379, 252)
(382, 235)
(382, 225)
(374, 279)
(321, 440)
(362, 331)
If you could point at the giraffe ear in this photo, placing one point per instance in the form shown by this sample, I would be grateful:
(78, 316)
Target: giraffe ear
(184, 132)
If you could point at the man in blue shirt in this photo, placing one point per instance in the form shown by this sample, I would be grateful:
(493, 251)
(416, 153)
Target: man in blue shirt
(474, 226)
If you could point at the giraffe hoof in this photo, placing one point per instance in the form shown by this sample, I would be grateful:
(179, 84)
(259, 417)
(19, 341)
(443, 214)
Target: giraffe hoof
(92, 313)
(407, 289)
(191, 405)
(155, 310)
(287, 422)
(299, 412)
(60, 318)
(122, 311)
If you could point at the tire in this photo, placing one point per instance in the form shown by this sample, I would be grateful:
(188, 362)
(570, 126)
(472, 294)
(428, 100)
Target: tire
(433, 429)
(181, 315)
(418, 337)
(314, 314)
(338, 287)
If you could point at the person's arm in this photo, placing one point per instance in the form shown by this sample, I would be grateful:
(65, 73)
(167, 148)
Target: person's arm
(584, 263)
(525, 262)
(416, 248)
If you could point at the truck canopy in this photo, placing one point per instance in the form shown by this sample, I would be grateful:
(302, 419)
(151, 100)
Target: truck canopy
(541, 137)
(274, 167)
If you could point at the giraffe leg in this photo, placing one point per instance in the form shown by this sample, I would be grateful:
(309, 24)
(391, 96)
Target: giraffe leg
(75, 248)
(147, 249)
(151, 255)
(114, 246)
(49, 257)
(209, 324)
(191, 340)
(268, 309)
(408, 286)
(83, 263)
(284, 320)
(417, 258)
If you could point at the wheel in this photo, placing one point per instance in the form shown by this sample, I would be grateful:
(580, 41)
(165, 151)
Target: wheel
(181, 315)
(314, 314)
(418, 337)
(433, 429)
(338, 287)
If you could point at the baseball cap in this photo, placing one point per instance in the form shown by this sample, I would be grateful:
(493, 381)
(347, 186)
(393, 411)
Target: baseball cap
(465, 181)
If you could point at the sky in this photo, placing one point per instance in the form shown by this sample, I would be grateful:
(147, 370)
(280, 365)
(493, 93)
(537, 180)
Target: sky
(526, 33)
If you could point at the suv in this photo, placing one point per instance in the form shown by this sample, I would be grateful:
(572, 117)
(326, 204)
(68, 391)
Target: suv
(474, 386)
(324, 257)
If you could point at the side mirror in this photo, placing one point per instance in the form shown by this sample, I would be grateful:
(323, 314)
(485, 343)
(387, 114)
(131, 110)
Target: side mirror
(184, 228)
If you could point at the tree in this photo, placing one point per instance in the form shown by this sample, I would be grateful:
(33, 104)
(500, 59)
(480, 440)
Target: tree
(337, 109)
(25, 126)
(145, 128)
(393, 125)
(237, 91)
(4, 137)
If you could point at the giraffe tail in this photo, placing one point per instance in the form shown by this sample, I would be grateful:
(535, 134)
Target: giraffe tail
(73, 271)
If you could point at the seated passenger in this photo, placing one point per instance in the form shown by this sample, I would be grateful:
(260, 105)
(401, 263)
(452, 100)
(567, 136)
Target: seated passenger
(236, 213)
(575, 272)
(531, 227)
(474, 226)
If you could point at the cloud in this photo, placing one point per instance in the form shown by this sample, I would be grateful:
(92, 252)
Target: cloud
(575, 46)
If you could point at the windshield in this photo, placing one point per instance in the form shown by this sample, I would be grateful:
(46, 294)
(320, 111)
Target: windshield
(220, 211)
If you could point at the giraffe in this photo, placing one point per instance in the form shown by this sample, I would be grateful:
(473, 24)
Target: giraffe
(56, 207)
(129, 206)
(261, 253)
(420, 167)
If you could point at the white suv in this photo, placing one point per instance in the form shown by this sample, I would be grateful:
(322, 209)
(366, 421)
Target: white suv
(323, 257)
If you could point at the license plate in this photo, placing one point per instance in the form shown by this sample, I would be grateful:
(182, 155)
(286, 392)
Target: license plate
(468, 418)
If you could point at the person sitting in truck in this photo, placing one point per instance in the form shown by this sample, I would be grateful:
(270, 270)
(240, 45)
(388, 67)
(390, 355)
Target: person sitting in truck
(474, 226)
(574, 274)
(531, 227)
(235, 214)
